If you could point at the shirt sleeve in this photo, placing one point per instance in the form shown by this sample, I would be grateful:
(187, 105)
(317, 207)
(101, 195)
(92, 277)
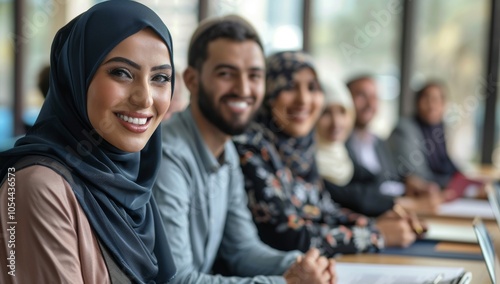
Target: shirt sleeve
(407, 155)
(364, 198)
(45, 238)
(286, 222)
(173, 196)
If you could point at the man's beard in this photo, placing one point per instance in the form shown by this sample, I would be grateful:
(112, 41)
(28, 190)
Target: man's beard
(208, 109)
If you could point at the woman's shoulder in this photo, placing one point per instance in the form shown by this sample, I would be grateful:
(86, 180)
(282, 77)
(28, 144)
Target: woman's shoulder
(38, 184)
(38, 174)
(255, 136)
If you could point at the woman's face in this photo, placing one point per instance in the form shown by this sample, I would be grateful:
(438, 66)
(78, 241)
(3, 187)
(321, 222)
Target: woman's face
(431, 105)
(130, 92)
(334, 124)
(297, 108)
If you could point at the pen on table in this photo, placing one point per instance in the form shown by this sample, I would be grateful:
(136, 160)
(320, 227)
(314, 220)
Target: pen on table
(401, 212)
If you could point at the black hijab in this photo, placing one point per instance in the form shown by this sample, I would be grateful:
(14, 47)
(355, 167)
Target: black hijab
(115, 186)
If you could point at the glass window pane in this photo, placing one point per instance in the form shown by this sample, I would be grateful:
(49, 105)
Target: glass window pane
(181, 18)
(354, 37)
(451, 46)
(279, 23)
(496, 152)
(7, 70)
(42, 20)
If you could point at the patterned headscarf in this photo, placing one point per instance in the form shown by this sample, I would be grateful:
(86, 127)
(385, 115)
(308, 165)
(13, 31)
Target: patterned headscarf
(297, 153)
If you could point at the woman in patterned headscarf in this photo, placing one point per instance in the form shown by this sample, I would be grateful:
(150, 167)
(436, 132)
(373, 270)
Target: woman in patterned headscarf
(286, 196)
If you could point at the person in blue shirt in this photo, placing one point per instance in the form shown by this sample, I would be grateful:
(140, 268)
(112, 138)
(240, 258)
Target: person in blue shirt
(200, 188)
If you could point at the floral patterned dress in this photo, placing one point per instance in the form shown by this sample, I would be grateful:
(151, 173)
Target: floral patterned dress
(287, 200)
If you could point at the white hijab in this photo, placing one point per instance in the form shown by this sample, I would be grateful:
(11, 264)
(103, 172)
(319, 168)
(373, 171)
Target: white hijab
(334, 163)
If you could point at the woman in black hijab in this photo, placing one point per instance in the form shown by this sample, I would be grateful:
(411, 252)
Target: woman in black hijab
(78, 185)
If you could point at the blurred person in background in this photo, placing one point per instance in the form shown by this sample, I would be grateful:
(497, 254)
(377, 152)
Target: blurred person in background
(419, 145)
(373, 160)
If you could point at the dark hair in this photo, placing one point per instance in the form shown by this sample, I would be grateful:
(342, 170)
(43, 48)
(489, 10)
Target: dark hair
(358, 78)
(43, 80)
(230, 27)
(434, 83)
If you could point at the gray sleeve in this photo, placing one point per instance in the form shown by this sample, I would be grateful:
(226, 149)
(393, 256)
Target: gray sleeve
(241, 244)
(172, 193)
(406, 146)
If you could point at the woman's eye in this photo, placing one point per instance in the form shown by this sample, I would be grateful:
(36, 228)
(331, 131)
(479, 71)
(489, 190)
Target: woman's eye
(162, 78)
(313, 87)
(120, 73)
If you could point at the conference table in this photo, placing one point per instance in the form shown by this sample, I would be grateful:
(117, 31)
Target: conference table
(476, 267)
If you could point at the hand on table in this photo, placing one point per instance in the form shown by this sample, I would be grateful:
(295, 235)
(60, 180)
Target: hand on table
(311, 268)
(400, 227)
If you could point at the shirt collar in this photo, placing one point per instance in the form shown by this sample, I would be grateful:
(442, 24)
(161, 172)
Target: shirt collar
(209, 161)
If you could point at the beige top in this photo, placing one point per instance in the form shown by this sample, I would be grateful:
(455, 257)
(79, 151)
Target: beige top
(52, 241)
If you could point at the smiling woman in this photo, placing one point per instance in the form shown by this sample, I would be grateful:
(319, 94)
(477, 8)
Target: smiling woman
(131, 91)
(84, 212)
(286, 194)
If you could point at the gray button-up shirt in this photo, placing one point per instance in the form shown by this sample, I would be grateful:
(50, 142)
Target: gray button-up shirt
(204, 209)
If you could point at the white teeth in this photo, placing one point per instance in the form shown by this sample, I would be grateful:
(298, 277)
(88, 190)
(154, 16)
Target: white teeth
(237, 104)
(299, 114)
(133, 120)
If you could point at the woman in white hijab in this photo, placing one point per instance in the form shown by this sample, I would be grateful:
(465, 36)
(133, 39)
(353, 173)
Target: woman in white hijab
(333, 129)
(334, 162)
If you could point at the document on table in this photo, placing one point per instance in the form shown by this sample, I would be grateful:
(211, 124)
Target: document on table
(450, 233)
(466, 208)
(362, 273)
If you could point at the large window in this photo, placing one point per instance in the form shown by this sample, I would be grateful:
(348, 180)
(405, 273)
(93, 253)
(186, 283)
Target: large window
(496, 152)
(354, 37)
(451, 39)
(181, 17)
(43, 19)
(6, 71)
(279, 23)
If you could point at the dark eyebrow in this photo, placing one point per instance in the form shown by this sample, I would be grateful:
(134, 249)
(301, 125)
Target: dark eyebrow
(164, 66)
(124, 60)
(229, 66)
(260, 69)
(137, 66)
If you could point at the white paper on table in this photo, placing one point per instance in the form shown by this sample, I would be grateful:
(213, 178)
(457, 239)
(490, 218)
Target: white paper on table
(363, 273)
(450, 233)
(468, 208)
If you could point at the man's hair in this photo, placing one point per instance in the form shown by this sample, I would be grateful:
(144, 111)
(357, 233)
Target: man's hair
(230, 27)
(358, 78)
